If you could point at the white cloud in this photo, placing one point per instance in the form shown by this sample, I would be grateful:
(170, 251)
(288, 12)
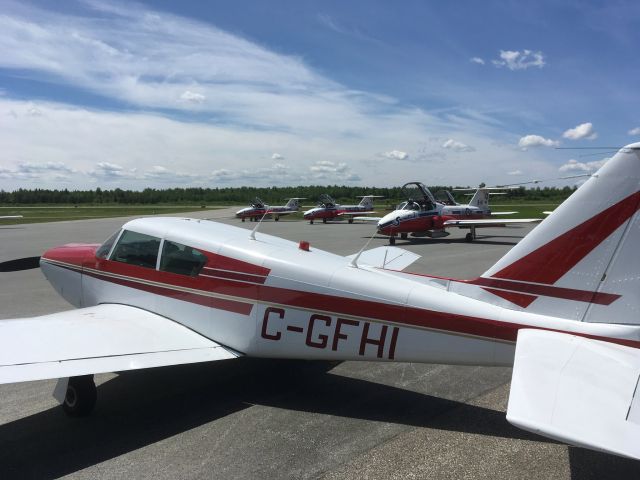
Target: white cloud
(515, 173)
(192, 97)
(477, 60)
(158, 172)
(517, 60)
(111, 171)
(584, 130)
(529, 141)
(276, 174)
(332, 171)
(396, 155)
(276, 156)
(573, 166)
(634, 131)
(451, 144)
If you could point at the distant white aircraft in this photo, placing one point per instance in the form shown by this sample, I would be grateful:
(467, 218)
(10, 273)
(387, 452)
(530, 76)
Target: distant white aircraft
(561, 307)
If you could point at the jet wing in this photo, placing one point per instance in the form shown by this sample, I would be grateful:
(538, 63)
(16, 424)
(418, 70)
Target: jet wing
(503, 213)
(577, 390)
(368, 219)
(489, 222)
(105, 338)
(345, 214)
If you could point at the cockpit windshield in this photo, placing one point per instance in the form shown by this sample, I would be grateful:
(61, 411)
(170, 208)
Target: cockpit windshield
(104, 249)
(445, 197)
(257, 203)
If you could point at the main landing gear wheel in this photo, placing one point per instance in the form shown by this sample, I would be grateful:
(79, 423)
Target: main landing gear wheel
(324, 220)
(468, 237)
(310, 222)
(392, 240)
(277, 219)
(243, 219)
(351, 220)
(404, 236)
(81, 396)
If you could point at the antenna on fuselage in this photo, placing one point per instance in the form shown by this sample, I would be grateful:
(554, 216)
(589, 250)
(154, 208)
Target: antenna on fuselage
(354, 260)
(252, 235)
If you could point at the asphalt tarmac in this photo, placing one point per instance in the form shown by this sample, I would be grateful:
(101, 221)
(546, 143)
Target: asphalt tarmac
(251, 418)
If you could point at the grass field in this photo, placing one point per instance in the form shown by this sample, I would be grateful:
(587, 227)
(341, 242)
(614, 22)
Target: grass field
(57, 213)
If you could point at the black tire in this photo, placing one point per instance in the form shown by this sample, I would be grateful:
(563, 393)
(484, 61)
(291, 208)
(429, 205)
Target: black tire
(243, 219)
(468, 237)
(80, 398)
(310, 222)
(404, 236)
(392, 240)
(324, 220)
(277, 219)
(351, 220)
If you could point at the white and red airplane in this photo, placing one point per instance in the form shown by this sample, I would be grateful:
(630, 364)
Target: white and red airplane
(422, 215)
(328, 209)
(259, 209)
(561, 307)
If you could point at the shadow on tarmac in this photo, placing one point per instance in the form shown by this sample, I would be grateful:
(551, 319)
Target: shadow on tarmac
(144, 407)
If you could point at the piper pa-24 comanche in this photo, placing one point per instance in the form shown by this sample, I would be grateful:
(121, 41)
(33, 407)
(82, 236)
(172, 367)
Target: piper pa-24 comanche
(561, 307)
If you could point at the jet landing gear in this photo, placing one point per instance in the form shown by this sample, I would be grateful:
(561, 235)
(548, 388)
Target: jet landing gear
(80, 396)
(471, 236)
(392, 240)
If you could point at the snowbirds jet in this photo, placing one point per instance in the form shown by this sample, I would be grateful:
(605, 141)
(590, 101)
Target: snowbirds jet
(328, 209)
(561, 307)
(422, 215)
(259, 209)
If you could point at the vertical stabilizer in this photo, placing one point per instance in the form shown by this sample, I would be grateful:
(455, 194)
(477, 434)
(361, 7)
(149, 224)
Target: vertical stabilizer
(582, 262)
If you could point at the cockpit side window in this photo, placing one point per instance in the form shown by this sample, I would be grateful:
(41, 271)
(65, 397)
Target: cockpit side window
(137, 249)
(104, 249)
(181, 259)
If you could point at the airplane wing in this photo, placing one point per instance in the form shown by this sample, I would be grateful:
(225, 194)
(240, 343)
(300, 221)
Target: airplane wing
(368, 219)
(577, 390)
(10, 216)
(392, 258)
(105, 338)
(487, 222)
(503, 213)
(356, 213)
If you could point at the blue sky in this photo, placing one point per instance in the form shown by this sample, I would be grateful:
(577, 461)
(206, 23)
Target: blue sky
(221, 93)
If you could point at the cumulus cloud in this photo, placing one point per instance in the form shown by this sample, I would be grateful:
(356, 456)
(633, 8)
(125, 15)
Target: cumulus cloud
(477, 60)
(192, 97)
(328, 170)
(276, 156)
(111, 171)
(515, 173)
(34, 170)
(451, 144)
(573, 166)
(396, 155)
(634, 131)
(529, 141)
(520, 60)
(584, 130)
(276, 174)
(158, 172)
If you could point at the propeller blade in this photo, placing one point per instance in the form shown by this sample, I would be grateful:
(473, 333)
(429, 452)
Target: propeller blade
(20, 264)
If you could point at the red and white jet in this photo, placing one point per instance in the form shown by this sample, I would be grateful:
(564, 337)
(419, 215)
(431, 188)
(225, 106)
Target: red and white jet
(422, 215)
(561, 307)
(259, 209)
(328, 209)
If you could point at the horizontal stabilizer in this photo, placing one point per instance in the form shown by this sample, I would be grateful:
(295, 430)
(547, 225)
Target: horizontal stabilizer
(392, 258)
(577, 390)
(105, 338)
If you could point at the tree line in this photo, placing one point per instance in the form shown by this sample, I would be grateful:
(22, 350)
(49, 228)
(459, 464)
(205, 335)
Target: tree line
(241, 195)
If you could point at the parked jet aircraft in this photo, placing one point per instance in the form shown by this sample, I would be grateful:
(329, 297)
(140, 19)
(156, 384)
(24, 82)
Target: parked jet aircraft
(422, 215)
(259, 209)
(328, 209)
(561, 307)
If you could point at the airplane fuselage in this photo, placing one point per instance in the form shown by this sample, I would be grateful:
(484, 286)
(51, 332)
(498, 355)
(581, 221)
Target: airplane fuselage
(420, 220)
(268, 297)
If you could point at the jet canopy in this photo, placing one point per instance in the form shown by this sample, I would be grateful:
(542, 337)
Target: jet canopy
(257, 203)
(326, 201)
(417, 192)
